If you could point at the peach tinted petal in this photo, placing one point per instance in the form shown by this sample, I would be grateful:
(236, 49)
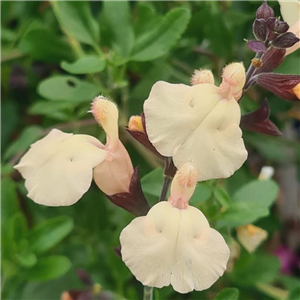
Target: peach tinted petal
(114, 174)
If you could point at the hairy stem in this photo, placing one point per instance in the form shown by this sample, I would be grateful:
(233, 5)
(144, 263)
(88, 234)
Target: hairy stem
(148, 293)
(251, 70)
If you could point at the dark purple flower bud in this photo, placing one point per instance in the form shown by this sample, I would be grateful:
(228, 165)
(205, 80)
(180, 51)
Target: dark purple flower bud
(271, 23)
(277, 26)
(264, 12)
(271, 60)
(256, 46)
(285, 40)
(258, 121)
(284, 86)
(134, 201)
(281, 27)
(260, 29)
(84, 276)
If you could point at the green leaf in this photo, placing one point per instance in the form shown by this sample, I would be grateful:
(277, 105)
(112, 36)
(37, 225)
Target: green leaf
(250, 203)
(255, 268)
(28, 136)
(84, 65)
(75, 17)
(202, 193)
(48, 268)
(42, 44)
(222, 197)
(49, 233)
(9, 201)
(152, 182)
(24, 256)
(117, 17)
(158, 41)
(295, 294)
(59, 110)
(228, 294)
(67, 88)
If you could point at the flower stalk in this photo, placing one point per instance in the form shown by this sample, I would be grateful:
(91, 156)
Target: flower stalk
(148, 293)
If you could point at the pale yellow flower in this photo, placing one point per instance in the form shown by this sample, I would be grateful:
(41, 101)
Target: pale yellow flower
(199, 123)
(174, 243)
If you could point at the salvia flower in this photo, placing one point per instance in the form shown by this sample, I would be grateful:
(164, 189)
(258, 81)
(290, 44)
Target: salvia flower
(251, 236)
(174, 243)
(59, 168)
(199, 123)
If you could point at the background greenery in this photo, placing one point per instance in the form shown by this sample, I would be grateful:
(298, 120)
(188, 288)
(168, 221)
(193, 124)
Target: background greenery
(56, 56)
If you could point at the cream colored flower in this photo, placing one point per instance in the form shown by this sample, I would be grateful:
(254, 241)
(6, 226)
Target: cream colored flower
(290, 11)
(199, 124)
(58, 169)
(251, 236)
(173, 245)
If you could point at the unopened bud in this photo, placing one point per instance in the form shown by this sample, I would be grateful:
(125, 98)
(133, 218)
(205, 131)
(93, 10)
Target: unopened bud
(202, 76)
(284, 86)
(264, 11)
(234, 78)
(106, 114)
(281, 27)
(135, 124)
(266, 173)
(251, 236)
(260, 29)
(285, 40)
(183, 186)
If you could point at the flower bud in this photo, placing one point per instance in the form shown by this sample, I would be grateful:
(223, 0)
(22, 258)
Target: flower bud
(281, 27)
(264, 11)
(234, 78)
(260, 29)
(135, 124)
(258, 121)
(106, 114)
(284, 86)
(277, 26)
(285, 40)
(251, 236)
(202, 76)
(266, 173)
(183, 186)
(256, 46)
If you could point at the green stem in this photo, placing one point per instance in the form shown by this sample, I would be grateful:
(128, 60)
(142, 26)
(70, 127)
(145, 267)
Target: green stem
(148, 293)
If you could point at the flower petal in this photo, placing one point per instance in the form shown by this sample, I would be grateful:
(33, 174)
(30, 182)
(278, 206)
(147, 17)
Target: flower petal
(216, 147)
(173, 246)
(193, 125)
(290, 11)
(114, 174)
(58, 168)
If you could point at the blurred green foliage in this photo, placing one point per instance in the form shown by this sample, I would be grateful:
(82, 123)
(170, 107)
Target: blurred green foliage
(57, 56)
